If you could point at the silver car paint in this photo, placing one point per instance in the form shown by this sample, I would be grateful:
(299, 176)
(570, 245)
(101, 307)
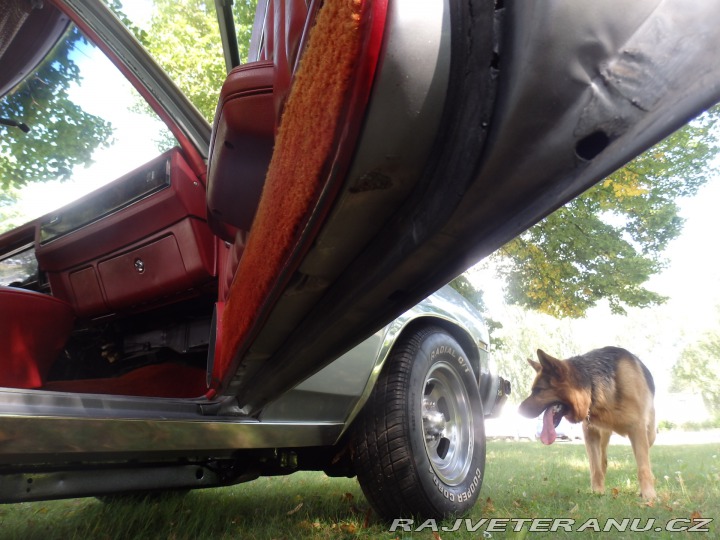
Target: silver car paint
(338, 392)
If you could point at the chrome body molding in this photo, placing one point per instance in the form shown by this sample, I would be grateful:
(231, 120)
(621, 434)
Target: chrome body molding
(58, 439)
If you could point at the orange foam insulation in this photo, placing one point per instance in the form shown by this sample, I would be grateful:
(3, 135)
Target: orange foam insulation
(305, 145)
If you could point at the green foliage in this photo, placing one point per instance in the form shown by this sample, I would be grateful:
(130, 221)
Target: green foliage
(62, 135)
(698, 370)
(462, 285)
(711, 423)
(522, 333)
(11, 215)
(184, 38)
(607, 243)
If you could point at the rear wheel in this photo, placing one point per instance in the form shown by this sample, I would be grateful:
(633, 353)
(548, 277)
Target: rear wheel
(420, 440)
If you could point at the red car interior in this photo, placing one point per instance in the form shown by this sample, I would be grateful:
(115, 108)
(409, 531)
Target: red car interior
(163, 247)
(146, 252)
(35, 328)
(158, 380)
(246, 120)
(240, 149)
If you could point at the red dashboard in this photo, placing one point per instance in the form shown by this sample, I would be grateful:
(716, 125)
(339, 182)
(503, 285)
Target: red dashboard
(141, 239)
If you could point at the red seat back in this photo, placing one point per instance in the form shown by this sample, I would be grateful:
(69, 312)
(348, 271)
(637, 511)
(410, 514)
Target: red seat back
(247, 117)
(33, 330)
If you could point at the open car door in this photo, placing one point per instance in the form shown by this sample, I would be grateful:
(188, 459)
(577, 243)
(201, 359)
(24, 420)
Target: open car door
(418, 137)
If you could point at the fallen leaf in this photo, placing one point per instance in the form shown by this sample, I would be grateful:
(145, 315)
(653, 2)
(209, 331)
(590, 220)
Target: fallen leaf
(305, 525)
(615, 493)
(695, 515)
(436, 536)
(516, 503)
(294, 510)
(348, 497)
(366, 523)
(489, 506)
(348, 528)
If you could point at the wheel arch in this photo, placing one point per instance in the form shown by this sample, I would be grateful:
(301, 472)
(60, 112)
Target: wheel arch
(477, 357)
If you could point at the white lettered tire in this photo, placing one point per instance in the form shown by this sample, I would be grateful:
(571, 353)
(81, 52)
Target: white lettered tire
(420, 439)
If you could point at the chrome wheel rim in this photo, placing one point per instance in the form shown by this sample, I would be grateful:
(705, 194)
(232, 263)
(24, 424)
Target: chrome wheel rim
(447, 424)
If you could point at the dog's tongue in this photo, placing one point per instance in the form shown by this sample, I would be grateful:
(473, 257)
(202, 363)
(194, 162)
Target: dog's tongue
(548, 434)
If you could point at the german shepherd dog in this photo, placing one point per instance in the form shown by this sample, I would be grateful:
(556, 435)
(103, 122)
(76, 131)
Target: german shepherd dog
(607, 390)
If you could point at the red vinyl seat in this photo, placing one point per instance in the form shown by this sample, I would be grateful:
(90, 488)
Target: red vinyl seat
(240, 148)
(33, 330)
(246, 119)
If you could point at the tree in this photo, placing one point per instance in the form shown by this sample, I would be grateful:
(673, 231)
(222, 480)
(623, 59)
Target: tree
(698, 370)
(523, 333)
(606, 243)
(184, 38)
(62, 135)
(11, 216)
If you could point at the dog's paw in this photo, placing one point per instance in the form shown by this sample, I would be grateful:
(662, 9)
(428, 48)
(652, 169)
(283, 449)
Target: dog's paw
(648, 493)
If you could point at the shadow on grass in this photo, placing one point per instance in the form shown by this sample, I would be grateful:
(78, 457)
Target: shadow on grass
(302, 505)
(523, 480)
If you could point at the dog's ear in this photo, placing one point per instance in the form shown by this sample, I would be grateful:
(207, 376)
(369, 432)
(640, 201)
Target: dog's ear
(549, 364)
(533, 364)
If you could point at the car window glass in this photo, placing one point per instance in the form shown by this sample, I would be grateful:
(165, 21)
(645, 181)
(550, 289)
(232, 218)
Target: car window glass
(72, 125)
(18, 268)
(183, 37)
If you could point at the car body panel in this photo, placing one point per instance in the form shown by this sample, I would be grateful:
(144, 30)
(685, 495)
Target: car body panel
(337, 392)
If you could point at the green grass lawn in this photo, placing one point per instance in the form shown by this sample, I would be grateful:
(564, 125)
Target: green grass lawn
(523, 480)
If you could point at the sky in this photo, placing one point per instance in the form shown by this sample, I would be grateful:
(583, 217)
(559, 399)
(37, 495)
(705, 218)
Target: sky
(692, 278)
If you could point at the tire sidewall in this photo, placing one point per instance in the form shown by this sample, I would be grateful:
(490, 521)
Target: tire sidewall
(436, 347)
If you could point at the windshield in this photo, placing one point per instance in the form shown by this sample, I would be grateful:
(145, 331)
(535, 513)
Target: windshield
(72, 125)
